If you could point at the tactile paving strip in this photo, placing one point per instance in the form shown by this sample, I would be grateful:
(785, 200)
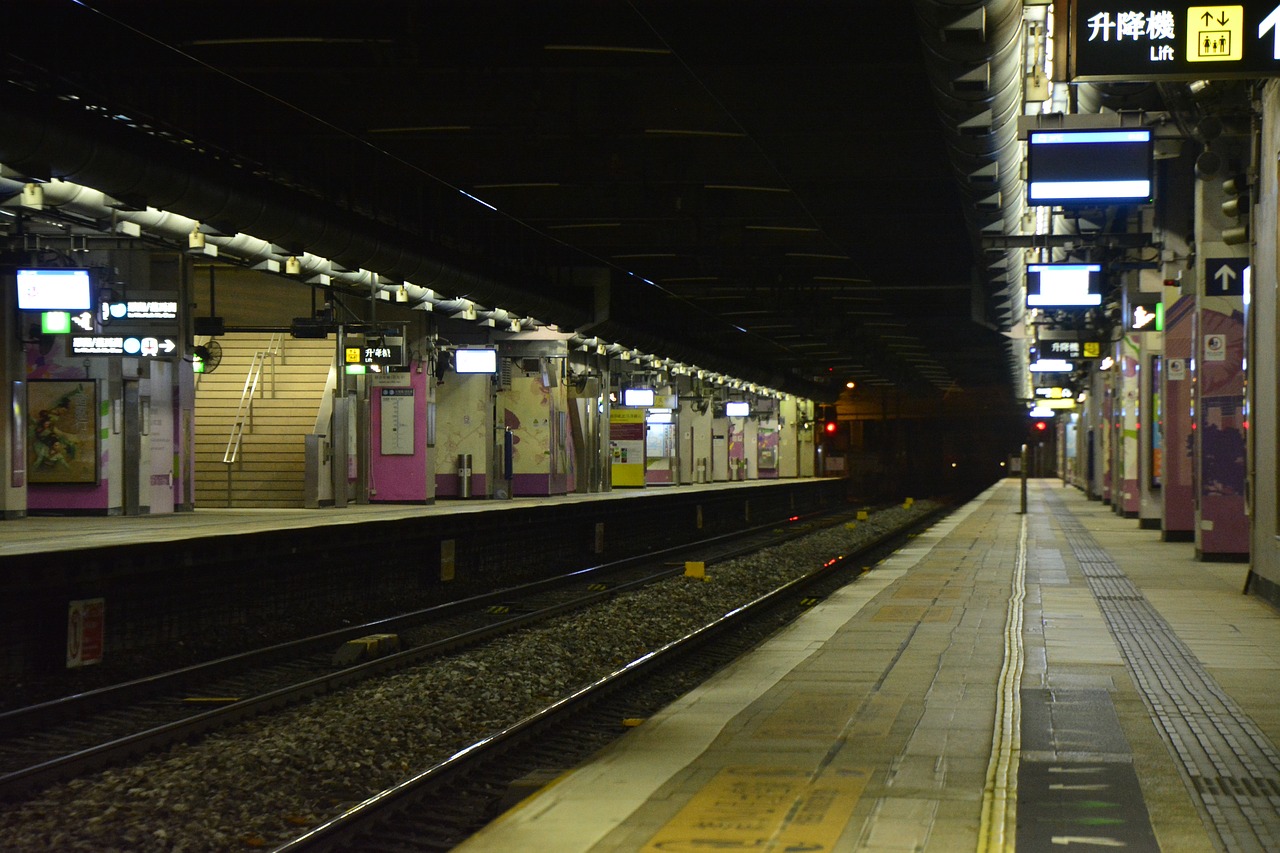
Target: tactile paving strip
(1229, 763)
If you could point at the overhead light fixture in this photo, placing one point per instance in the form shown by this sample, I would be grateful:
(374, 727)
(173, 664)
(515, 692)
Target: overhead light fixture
(582, 225)
(746, 188)
(660, 131)
(432, 128)
(198, 245)
(1051, 365)
(607, 48)
(517, 185)
(32, 196)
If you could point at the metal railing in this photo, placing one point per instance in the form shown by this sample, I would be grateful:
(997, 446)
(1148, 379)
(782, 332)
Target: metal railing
(244, 412)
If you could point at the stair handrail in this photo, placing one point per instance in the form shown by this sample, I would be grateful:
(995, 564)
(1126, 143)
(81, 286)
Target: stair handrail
(244, 412)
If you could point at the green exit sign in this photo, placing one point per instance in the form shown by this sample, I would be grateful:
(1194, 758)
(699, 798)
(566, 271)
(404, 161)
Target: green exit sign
(55, 323)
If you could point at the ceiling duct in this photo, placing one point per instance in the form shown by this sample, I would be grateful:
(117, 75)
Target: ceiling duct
(973, 53)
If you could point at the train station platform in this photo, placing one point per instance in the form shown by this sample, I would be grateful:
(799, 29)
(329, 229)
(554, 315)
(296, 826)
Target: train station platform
(169, 590)
(1055, 680)
(53, 533)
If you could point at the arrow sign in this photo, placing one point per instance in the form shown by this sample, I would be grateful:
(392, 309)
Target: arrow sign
(1082, 839)
(168, 345)
(84, 321)
(1269, 23)
(1225, 276)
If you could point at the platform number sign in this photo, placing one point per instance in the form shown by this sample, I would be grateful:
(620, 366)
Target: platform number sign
(86, 624)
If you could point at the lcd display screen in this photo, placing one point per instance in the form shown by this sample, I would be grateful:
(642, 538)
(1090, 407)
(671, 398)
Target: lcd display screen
(638, 397)
(475, 361)
(54, 290)
(1076, 168)
(1064, 285)
(737, 409)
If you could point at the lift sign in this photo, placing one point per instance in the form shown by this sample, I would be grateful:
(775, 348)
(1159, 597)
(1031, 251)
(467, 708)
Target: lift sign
(376, 353)
(1120, 40)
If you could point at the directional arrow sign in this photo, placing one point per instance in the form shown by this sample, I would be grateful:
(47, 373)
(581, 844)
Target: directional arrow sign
(145, 347)
(1094, 841)
(1268, 24)
(1224, 276)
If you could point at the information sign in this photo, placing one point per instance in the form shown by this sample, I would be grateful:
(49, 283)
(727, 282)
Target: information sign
(1071, 349)
(1146, 313)
(1224, 276)
(142, 347)
(1120, 40)
(86, 625)
(149, 306)
(375, 352)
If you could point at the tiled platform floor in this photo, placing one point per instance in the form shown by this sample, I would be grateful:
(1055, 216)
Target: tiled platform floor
(871, 723)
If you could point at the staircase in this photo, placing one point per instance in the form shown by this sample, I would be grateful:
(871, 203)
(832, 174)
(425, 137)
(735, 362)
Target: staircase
(269, 466)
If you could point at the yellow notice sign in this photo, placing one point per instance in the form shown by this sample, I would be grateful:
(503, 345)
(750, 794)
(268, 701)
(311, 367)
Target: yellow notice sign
(743, 805)
(1215, 33)
(352, 355)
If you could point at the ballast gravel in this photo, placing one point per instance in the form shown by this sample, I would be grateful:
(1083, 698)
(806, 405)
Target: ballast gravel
(258, 784)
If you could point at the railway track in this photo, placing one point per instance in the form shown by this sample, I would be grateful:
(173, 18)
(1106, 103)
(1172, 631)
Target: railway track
(75, 735)
(446, 803)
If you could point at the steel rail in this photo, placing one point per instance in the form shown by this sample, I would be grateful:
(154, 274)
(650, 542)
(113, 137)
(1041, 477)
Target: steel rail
(364, 817)
(156, 737)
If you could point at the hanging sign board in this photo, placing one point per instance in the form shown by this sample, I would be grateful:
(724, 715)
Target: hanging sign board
(1119, 40)
(142, 347)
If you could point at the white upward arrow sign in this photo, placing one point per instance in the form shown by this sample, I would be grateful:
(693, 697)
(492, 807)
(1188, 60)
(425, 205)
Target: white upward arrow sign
(1226, 273)
(1269, 23)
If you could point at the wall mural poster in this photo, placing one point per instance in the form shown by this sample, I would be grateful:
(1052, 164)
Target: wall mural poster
(62, 433)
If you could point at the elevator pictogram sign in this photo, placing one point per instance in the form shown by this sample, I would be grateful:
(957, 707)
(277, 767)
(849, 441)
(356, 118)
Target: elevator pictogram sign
(1215, 33)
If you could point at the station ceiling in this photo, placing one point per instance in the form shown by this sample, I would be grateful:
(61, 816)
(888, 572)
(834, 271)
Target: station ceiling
(756, 187)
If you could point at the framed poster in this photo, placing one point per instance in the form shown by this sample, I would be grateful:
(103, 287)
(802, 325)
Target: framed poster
(62, 431)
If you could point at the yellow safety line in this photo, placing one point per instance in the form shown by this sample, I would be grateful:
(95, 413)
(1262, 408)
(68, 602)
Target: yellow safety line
(999, 796)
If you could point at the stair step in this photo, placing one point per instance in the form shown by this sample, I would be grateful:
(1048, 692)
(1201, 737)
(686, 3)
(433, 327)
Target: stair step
(269, 468)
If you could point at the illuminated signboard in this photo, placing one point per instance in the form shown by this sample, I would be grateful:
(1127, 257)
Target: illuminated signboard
(150, 307)
(142, 347)
(640, 397)
(1072, 349)
(1079, 168)
(1121, 40)
(376, 352)
(1064, 285)
(53, 290)
(475, 361)
(1146, 313)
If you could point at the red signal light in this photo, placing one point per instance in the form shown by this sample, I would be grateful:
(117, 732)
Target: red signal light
(1041, 426)
(830, 427)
